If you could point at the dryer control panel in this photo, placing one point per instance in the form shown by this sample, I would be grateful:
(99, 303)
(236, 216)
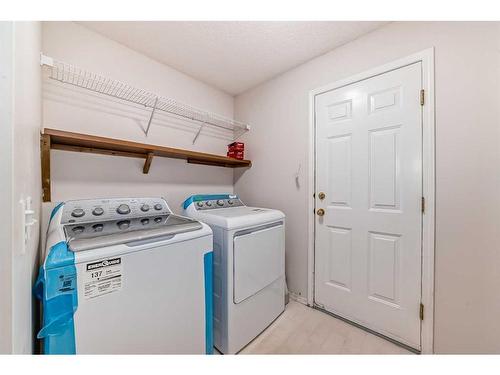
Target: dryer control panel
(217, 203)
(212, 202)
(91, 210)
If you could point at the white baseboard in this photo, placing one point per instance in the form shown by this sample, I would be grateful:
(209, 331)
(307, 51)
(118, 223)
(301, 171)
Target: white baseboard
(298, 298)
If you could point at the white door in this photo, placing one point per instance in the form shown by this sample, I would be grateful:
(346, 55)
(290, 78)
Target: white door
(369, 167)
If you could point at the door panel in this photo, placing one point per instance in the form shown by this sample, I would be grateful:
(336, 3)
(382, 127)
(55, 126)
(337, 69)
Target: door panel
(339, 260)
(383, 270)
(340, 170)
(369, 164)
(383, 168)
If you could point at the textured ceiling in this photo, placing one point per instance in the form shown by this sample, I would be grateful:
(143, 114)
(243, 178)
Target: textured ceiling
(232, 56)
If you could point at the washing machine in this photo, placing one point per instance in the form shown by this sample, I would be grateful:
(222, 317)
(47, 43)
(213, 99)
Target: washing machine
(125, 276)
(249, 266)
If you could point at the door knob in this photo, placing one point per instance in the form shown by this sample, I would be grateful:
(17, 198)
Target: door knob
(320, 212)
(321, 195)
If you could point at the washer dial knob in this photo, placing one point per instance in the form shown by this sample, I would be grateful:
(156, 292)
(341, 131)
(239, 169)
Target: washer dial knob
(78, 212)
(209, 204)
(145, 207)
(157, 219)
(144, 221)
(123, 209)
(98, 211)
(124, 224)
(158, 207)
(98, 227)
(220, 202)
(199, 204)
(230, 201)
(78, 229)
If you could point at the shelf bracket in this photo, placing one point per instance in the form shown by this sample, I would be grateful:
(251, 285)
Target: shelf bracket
(151, 117)
(198, 133)
(147, 163)
(45, 160)
(46, 60)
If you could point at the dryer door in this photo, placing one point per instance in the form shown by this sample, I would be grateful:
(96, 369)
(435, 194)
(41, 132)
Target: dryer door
(259, 259)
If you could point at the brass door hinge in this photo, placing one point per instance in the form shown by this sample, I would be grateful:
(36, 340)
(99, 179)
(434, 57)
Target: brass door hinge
(422, 97)
(421, 312)
(423, 205)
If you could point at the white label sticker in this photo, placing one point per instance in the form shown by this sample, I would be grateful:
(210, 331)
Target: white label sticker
(102, 277)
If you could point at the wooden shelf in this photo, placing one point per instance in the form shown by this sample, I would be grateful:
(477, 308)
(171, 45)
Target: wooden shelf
(68, 141)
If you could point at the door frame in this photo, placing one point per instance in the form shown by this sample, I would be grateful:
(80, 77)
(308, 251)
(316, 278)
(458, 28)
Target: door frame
(426, 57)
(6, 160)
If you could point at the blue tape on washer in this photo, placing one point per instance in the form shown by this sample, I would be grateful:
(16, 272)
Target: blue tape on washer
(209, 310)
(56, 287)
(56, 208)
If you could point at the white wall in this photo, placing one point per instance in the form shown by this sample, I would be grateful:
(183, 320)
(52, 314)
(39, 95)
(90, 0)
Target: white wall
(26, 166)
(467, 69)
(6, 102)
(84, 175)
(21, 42)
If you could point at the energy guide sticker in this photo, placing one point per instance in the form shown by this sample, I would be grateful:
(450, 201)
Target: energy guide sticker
(102, 277)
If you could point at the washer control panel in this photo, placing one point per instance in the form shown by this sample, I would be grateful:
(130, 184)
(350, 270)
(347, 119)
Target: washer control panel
(91, 210)
(211, 204)
(76, 231)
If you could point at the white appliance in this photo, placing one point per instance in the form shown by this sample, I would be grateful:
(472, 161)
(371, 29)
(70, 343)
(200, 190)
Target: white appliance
(125, 276)
(249, 266)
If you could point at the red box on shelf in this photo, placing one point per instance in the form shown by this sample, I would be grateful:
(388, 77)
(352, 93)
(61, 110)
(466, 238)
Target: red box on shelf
(236, 146)
(236, 155)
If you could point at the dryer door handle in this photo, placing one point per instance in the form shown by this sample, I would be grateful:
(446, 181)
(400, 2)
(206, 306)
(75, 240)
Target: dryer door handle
(257, 229)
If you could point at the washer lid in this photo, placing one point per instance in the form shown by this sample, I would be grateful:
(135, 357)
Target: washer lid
(114, 232)
(239, 217)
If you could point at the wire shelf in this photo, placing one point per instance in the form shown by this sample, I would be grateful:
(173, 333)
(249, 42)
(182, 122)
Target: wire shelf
(73, 75)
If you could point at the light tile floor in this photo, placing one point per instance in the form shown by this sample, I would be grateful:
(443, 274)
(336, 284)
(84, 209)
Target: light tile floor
(303, 330)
